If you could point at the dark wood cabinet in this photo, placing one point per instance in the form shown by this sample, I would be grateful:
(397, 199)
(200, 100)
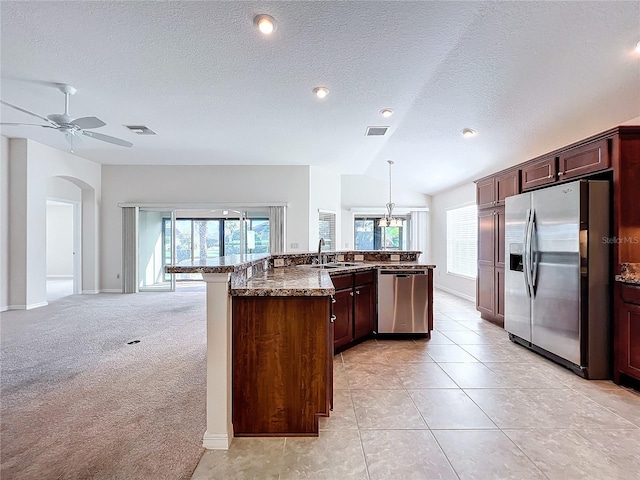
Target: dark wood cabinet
(486, 237)
(583, 160)
(539, 173)
(492, 191)
(342, 310)
(491, 262)
(627, 332)
(485, 285)
(282, 365)
(364, 310)
(354, 308)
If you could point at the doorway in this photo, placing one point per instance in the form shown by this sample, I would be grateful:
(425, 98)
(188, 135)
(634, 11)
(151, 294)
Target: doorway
(62, 244)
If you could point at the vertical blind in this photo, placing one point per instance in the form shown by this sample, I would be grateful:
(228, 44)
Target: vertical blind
(277, 221)
(462, 241)
(327, 229)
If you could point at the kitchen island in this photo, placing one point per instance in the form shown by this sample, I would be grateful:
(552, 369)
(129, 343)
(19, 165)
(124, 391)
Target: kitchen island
(270, 341)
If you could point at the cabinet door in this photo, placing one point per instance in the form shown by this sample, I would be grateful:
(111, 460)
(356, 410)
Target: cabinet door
(343, 323)
(485, 299)
(629, 340)
(539, 173)
(507, 185)
(364, 319)
(499, 237)
(486, 237)
(485, 193)
(582, 160)
(499, 293)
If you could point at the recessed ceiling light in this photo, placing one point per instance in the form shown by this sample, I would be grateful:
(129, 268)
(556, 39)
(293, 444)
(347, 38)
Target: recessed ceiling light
(321, 92)
(386, 113)
(467, 133)
(265, 23)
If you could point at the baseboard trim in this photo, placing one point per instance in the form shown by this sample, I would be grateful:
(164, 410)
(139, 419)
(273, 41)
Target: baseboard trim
(111, 290)
(456, 293)
(28, 307)
(59, 276)
(4, 308)
(216, 441)
(90, 292)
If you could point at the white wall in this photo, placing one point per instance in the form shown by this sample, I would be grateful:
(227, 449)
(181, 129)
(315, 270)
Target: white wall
(361, 191)
(456, 197)
(182, 185)
(61, 189)
(4, 223)
(324, 194)
(60, 240)
(30, 167)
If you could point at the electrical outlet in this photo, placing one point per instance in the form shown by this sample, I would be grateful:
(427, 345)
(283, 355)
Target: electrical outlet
(341, 258)
(278, 262)
(294, 245)
(395, 258)
(117, 275)
(358, 258)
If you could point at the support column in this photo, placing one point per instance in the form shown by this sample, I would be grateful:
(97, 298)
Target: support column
(219, 425)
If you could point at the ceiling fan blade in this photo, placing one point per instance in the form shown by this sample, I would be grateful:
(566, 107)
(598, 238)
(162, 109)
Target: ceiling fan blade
(88, 122)
(15, 107)
(28, 124)
(107, 138)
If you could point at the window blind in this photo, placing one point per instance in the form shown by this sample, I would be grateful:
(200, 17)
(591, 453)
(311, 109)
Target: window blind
(327, 229)
(462, 241)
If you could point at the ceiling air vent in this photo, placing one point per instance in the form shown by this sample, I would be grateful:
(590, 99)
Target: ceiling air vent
(376, 131)
(141, 129)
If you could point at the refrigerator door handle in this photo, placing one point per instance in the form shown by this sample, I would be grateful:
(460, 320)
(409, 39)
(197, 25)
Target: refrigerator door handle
(533, 247)
(526, 258)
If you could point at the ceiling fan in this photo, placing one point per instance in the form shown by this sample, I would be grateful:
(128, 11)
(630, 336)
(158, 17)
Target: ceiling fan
(63, 122)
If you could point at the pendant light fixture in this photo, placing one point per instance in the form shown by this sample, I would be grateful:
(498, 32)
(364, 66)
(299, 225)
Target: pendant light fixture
(388, 220)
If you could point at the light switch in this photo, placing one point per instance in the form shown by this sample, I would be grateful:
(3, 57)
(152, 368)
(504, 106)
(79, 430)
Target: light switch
(341, 258)
(294, 245)
(358, 258)
(395, 258)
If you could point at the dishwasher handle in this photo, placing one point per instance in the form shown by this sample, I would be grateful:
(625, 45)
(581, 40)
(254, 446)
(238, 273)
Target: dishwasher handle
(402, 273)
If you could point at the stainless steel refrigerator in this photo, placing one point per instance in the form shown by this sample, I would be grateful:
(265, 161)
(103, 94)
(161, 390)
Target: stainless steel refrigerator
(557, 274)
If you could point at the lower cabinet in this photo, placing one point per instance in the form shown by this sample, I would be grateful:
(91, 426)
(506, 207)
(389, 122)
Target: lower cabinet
(627, 333)
(282, 365)
(354, 308)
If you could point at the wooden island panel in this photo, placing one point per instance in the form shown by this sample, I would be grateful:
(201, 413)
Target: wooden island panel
(282, 365)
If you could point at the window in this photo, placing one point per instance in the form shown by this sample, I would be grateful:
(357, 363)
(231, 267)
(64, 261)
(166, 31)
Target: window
(367, 235)
(327, 229)
(203, 238)
(462, 241)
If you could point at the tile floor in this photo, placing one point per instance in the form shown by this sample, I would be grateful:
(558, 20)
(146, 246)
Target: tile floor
(465, 404)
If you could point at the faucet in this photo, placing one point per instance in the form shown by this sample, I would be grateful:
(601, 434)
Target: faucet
(320, 245)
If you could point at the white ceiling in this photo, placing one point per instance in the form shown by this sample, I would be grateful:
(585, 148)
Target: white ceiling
(528, 76)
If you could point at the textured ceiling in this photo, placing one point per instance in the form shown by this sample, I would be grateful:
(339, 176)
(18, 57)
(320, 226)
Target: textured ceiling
(528, 76)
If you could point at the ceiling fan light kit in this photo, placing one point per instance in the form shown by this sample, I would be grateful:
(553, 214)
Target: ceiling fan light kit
(65, 123)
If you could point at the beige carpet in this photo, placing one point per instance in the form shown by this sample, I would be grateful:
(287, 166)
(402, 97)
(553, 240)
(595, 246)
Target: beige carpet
(78, 402)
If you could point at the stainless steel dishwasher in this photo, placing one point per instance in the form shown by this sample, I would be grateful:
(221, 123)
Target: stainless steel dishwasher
(402, 301)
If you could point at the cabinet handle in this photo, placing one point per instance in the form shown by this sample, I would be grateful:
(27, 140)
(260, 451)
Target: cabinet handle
(333, 300)
(351, 293)
(549, 176)
(357, 292)
(560, 173)
(333, 318)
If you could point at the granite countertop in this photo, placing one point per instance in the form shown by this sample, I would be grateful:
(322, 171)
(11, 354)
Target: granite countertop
(226, 264)
(629, 273)
(301, 280)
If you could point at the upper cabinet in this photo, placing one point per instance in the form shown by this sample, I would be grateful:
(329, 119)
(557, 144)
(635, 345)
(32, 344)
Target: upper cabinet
(588, 158)
(492, 191)
(539, 173)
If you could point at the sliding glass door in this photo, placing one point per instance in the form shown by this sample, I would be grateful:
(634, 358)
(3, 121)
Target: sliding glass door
(156, 240)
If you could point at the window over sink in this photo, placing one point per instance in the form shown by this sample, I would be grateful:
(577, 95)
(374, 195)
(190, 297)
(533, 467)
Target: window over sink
(369, 236)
